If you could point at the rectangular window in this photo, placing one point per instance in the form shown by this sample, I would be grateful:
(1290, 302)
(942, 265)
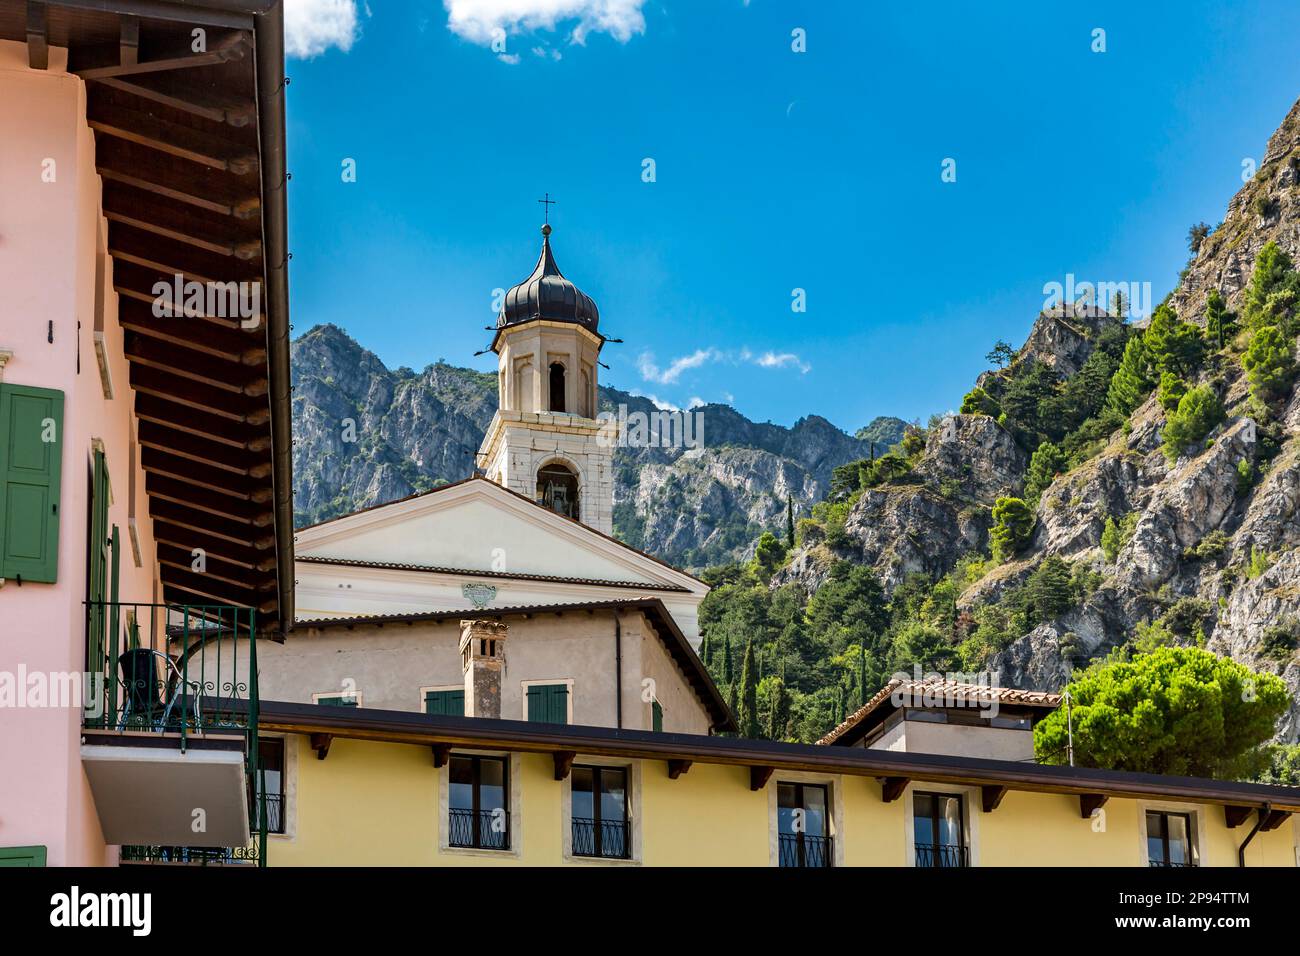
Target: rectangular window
(31, 459)
(940, 830)
(600, 813)
(1170, 839)
(270, 757)
(803, 824)
(445, 703)
(478, 804)
(28, 856)
(548, 703)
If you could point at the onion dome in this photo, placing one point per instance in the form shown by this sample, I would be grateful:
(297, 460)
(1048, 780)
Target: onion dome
(546, 294)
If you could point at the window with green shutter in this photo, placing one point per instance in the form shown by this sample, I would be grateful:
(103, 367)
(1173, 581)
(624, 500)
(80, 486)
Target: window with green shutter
(548, 703)
(445, 703)
(22, 856)
(31, 456)
(657, 716)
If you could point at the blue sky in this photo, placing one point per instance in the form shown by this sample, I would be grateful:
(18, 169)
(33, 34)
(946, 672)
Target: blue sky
(775, 171)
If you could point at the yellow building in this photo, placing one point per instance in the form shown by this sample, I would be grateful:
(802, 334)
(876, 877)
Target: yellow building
(359, 786)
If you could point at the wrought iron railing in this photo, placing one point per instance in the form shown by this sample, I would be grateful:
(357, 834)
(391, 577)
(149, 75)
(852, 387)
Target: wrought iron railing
(180, 669)
(608, 839)
(804, 849)
(1171, 863)
(486, 829)
(274, 812)
(941, 855)
(193, 855)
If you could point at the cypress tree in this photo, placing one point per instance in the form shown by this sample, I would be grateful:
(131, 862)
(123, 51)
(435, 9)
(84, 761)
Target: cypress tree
(789, 522)
(704, 651)
(839, 707)
(862, 674)
(726, 658)
(1218, 320)
(749, 694)
(776, 713)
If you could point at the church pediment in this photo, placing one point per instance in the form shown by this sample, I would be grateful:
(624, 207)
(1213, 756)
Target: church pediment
(478, 526)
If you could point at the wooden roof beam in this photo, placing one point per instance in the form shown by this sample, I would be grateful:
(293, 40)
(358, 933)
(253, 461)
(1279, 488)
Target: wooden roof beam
(564, 763)
(1090, 803)
(203, 499)
(321, 744)
(241, 250)
(1235, 816)
(174, 388)
(130, 244)
(128, 43)
(189, 588)
(177, 450)
(38, 36)
(222, 567)
(223, 209)
(891, 788)
(678, 767)
(759, 776)
(228, 377)
(991, 797)
(237, 116)
(227, 529)
(215, 428)
(186, 540)
(101, 61)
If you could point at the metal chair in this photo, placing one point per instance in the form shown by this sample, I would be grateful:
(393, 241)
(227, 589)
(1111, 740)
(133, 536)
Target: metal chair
(151, 698)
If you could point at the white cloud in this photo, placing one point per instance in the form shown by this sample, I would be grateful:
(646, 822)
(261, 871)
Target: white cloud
(313, 26)
(511, 58)
(479, 20)
(695, 402)
(669, 374)
(773, 360)
(656, 400)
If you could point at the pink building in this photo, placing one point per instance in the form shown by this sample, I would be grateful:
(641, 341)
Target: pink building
(144, 441)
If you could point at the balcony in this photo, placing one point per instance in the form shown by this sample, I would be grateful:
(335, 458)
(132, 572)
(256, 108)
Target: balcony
(169, 730)
(482, 830)
(605, 839)
(806, 850)
(942, 855)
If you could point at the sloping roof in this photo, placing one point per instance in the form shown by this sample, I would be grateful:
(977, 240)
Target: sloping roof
(923, 693)
(510, 491)
(190, 152)
(678, 647)
(479, 733)
(474, 572)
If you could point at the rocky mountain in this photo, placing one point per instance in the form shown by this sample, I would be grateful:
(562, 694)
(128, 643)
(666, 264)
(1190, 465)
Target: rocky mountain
(365, 434)
(1206, 547)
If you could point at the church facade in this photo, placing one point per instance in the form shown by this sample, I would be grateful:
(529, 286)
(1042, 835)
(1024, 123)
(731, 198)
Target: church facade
(593, 632)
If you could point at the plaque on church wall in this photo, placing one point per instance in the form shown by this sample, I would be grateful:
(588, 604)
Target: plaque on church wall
(479, 594)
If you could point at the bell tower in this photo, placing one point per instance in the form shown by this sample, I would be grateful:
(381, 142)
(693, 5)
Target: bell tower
(545, 441)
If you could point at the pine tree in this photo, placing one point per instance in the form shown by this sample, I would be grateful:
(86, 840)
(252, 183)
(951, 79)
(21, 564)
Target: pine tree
(1269, 363)
(749, 694)
(1273, 274)
(789, 522)
(1218, 320)
(1132, 380)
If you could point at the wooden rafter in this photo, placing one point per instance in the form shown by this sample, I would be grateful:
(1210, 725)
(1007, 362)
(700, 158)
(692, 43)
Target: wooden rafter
(1089, 803)
(991, 797)
(677, 767)
(38, 36)
(891, 788)
(194, 104)
(564, 763)
(759, 776)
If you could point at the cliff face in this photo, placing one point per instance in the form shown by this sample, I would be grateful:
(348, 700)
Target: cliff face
(1198, 538)
(365, 434)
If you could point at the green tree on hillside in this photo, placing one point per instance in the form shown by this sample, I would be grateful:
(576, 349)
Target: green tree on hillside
(789, 522)
(1001, 355)
(979, 402)
(1171, 391)
(1173, 345)
(1199, 410)
(1047, 462)
(768, 554)
(748, 716)
(1176, 710)
(1013, 523)
(1132, 382)
(1269, 363)
(1271, 297)
(1219, 322)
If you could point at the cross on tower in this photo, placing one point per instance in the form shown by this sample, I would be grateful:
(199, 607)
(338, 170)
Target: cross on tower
(548, 203)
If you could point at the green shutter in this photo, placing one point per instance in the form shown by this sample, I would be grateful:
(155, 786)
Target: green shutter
(548, 703)
(22, 856)
(444, 703)
(657, 714)
(340, 701)
(31, 455)
(97, 572)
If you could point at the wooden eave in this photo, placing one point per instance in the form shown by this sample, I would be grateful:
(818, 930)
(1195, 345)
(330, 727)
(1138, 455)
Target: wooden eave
(189, 146)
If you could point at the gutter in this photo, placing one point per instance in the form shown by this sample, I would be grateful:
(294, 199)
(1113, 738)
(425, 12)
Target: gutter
(1261, 815)
(269, 54)
(618, 671)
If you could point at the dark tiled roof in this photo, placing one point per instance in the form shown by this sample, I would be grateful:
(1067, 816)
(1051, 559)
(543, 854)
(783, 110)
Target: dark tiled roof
(474, 572)
(936, 693)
